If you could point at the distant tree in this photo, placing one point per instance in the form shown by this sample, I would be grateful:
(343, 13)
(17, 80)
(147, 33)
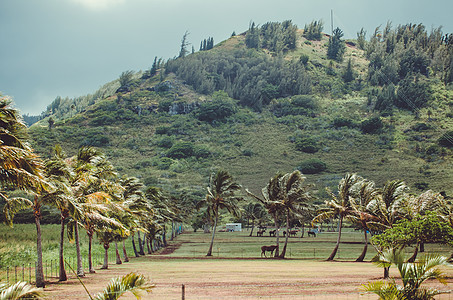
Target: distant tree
(313, 31)
(336, 46)
(361, 38)
(126, 80)
(154, 67)
(234, 33)
(184, 43)
(348, 74)
(252, 38)
(51, 123)
(220, 195)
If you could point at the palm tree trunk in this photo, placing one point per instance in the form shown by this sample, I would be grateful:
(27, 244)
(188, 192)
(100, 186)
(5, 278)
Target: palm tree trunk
(365, 248)
(253, 226)
(414, 255)
(147, 244)
(334, 252)
(422, 247)
(277, 231)
(386, 272)
(125, 257)
(118, 258)
(62, 276)
(303, 230)
(164, 236)
(39, 266)
(133, 246)
(213, 234)
(90, 262)
(141, 251)
(282, 255)
(80, 272)
(106, 256)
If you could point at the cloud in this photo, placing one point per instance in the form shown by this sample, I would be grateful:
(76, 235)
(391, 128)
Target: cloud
(98, 5)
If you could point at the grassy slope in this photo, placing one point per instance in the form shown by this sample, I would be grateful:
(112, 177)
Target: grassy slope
(132, 146)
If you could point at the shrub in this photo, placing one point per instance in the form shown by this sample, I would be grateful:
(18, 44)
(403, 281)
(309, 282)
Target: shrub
(304, 101)
(312, 166)
(162, 130)
(343, 122)
(218, 109)
(306, 144)
(181, 150)
(165, 142)
(201, 152)
(372, 125)
(421, 127)
(446, 139)
(163, 163)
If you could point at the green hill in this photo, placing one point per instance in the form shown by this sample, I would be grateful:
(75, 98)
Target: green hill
(272, 100)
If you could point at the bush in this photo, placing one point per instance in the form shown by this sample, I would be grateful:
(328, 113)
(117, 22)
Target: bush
(339, 122)
(218, 109)
(162, 130)
(201, 152)
(181, 150)
(165, 142)
(312, 166)
(446, 140)
(372, 125)
(421, 127)
(306, 144)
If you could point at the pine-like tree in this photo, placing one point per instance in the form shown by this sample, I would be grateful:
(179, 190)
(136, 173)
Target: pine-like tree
(336, 46)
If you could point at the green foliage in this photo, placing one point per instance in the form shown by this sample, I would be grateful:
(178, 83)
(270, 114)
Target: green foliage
(306, 144)
(339, 122)
(248, 76)
(348, 74)
(218, 109)
(298, 105)
(372, 125)
(336, 46)
(422, 229)
(312, 166)
(181, 150)
(313, 31)
(361, 38)
(446, 140)
(412, 94)
(165, 142)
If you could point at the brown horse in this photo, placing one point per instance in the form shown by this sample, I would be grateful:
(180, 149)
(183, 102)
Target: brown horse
(268, 248)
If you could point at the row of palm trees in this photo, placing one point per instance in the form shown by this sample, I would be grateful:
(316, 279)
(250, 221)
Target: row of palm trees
(287, 197)
(87, 191)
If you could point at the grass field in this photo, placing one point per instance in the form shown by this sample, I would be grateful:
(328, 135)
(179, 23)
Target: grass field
(236, 270)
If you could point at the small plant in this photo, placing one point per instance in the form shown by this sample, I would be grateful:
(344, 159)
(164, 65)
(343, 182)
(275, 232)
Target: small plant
(306, 144)
(413, 275)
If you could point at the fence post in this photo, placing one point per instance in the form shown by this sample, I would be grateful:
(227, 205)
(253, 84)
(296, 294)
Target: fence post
(183, 292)
(46, 270)
(29, 273)
(51, 268)
(15, 273)
(23, 272)
(7, 275)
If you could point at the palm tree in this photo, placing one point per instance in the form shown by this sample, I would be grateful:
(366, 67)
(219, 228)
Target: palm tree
(340, 206)
(413, 275)
(388, 206)
(271, 199)
(294, 197)
(20, 168)
(221, 195)
(254, 211)
(362, 217)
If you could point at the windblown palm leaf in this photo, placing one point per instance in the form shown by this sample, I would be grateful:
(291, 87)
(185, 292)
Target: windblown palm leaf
(132, 282)
(20, 290)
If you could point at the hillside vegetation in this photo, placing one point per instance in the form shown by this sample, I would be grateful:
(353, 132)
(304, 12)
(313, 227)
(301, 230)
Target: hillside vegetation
(276, 98)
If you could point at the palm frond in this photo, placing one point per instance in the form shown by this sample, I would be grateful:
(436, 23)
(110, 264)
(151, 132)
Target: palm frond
(20, 290)
(132, 282)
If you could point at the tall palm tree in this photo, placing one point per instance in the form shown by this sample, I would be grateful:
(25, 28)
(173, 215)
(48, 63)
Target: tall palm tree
(295, 198)
(340, 206)
(362, 217)
(220, 195)
(271, 199)
(254, 211)
(20, 168)
(388, 206)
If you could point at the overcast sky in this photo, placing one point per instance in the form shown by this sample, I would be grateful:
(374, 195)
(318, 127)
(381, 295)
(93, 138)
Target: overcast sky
(53, 48)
